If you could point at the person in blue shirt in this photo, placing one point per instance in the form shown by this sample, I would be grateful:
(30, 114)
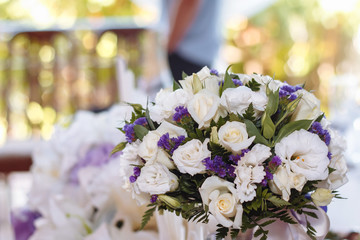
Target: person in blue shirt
(194, 35)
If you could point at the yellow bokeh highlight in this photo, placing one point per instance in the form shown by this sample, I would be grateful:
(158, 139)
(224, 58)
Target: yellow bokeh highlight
(35, 113)
(47, 53)
(46, 78)
(107, 46)
(3, 130)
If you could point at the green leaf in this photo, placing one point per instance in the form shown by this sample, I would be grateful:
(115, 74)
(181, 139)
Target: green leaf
(234, 233)
(147, 215)
(137, 108)
(268, 222)
(291, 127)
(273, 103)
(140, 131)
(278, 202)
(254, 131)
(183, 75)
(249, 113)
(228, 82)
(118, 148)
(331, 170)
(311, 214)
(268, 126)
(234, 117)
(221, 232)
(148, 119)
(253, 85)
(176, 86)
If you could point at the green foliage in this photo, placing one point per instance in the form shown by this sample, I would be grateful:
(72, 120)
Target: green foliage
(291, 127)
(253, 85)
(140, 131)
(228, 82)
(254, 131)
(147, 215)
(176, 85)
(273, 103)
(278, 202)
(118, 148)
(249, 113)
(221, 232)
(234, 232)
(148, 119)
(268, 126)
(184, 75)
(218, 150)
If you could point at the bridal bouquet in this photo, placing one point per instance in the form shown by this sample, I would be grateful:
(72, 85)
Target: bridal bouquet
(76, 191)
(245, 150)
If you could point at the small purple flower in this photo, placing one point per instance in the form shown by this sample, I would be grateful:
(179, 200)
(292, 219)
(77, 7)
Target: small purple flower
(218, 166)
(141, 121)
(96, 156)
(322, 133)
(236, 158)
(132, 179)
(268, 176)
(329, 155)
(137, 171)
(214, 72)
(22, 221)
(180, 112)
(153, 198)
(287, 91)
(170, 144)
(237, 82)
(275, 161)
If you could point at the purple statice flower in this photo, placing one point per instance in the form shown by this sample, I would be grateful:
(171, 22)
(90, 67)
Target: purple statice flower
(136, 174)
(329, 155)
(218, 166)
(129, 132)
(129, 129)
(132, 179)
(322, 133)
(214, 72)
(236, 158)
(180, 113)
(268, 176)
(153, 198)
(22, 221)
(237, 82)
(170, 144)
(287, 91)
(275, 162)
(96, 156)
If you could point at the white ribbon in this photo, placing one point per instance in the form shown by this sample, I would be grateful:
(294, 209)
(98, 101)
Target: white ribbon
(282, 230)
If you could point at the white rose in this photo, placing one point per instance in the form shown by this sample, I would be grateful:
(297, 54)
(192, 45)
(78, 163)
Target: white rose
(220, 196)
(156, 179)
(305, 153)
(308, 107)
(258, 154)
(322, 197)
(284, 180)
(150, 152)
(237, 100)
(263, 80)
(204, 107)
(188, 157)
(234, 137)
(165, 103)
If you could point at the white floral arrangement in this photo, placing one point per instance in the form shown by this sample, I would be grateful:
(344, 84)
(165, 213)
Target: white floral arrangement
(246, 151)
(76, 191)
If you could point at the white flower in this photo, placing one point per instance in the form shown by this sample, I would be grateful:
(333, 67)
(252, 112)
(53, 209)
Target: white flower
(150, 152)
(305, 153)
(234, 137)
(204, 107)
(308, 107)
(250, 171)
(156, 179)
(322, 197)
(173, 130)
(165, 103)
(338, 177)
(284, 180)
(237, 100)
(220, 196)
(263, 80)
(207, 81)
(188, 157)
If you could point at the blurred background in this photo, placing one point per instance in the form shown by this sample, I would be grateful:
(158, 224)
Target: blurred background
(57, 57)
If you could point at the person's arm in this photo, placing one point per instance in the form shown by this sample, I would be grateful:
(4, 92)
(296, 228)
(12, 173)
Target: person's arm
(181, 19)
